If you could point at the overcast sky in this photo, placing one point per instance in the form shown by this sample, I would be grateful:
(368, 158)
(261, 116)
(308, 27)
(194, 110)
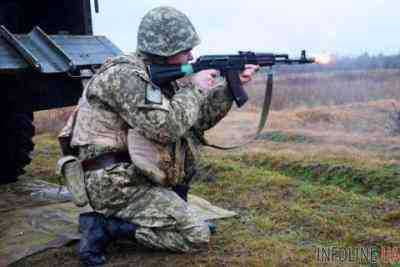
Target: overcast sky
(344, 27)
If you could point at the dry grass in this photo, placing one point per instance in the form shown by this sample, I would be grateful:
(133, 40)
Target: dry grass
(51, 121)
(359, 123)
(325, 89)
(393, 125)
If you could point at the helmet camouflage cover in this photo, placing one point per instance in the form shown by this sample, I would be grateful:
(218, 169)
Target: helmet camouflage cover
(165, 31)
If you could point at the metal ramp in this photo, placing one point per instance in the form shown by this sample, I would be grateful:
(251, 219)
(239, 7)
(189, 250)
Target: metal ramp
(52, 53)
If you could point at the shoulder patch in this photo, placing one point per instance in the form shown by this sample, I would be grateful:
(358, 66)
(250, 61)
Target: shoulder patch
(153, 94)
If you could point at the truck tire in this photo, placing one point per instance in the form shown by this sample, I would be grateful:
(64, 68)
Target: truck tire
(17, 145)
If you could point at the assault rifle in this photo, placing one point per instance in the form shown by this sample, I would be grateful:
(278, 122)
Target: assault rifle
(229, 66)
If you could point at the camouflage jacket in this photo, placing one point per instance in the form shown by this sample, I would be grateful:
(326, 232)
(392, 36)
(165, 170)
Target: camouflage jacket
(121, 97)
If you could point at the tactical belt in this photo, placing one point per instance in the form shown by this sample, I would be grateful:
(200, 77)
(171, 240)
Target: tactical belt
(104, 160)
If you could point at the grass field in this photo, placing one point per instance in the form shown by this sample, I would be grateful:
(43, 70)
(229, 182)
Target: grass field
(327, 88)
(326, 173)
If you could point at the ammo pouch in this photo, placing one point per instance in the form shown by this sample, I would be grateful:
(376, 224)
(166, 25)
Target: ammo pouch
(151, 160)
(70, 168)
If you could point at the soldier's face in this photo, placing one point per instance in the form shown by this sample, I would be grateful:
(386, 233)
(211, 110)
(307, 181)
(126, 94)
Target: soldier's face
(181, 58)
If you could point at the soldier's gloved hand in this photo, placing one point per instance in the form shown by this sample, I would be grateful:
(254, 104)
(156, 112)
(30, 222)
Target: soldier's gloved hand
(205, 79)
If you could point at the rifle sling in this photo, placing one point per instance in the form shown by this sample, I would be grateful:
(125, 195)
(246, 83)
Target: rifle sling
(261, 123)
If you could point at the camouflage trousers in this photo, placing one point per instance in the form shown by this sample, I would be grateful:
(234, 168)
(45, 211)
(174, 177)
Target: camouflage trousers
(165, 221)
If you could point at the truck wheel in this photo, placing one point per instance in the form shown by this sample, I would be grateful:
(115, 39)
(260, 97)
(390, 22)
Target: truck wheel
(17, 144)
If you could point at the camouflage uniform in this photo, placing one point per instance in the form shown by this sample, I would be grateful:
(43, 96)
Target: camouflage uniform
(112, 103)
(120, 98)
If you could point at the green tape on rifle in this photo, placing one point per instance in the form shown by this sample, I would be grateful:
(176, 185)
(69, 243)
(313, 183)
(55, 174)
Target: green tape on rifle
(187, 69)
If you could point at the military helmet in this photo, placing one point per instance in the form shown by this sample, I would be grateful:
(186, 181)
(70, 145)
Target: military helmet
(165, 31)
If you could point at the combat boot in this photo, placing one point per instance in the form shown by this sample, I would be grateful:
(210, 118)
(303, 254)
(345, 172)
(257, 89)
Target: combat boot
(118, 228)
(94, 239)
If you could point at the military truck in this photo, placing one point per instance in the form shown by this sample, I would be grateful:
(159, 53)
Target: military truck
(47, 50)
